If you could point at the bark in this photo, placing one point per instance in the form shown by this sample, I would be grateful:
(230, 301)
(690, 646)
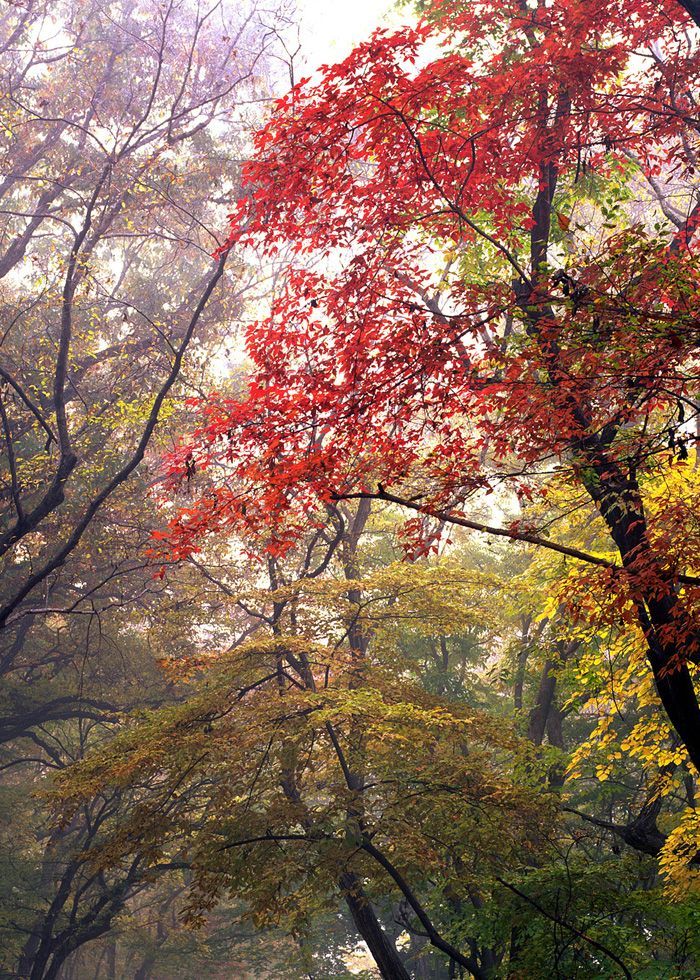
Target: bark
(693, 8)
(523, 654)
(542, 714)
(144, 971)
(671, 638)
(383, 951)
(112, 961)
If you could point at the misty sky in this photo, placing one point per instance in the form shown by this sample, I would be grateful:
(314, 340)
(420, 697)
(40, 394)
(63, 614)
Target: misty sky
(330, 29)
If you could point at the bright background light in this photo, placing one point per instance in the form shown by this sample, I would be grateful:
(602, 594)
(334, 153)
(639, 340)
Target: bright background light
(329, 29)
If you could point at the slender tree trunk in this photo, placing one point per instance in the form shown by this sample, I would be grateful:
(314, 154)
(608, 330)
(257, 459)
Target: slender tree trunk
(523, 653)
(544, 709)
(112, 961)
(380, 945)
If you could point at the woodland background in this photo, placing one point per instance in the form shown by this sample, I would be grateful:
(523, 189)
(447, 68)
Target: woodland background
(261, 739)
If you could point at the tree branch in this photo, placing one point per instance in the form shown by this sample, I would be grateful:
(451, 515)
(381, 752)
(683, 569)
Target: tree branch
(503, 532)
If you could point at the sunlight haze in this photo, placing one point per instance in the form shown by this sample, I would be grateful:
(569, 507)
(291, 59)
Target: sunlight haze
(329, 31)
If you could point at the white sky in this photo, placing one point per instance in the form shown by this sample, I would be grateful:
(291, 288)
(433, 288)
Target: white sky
(330, 28)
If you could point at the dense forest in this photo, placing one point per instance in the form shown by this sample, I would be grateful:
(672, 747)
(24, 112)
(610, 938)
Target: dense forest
(349, 492)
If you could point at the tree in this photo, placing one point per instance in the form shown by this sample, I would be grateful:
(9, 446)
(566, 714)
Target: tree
(106, 267)
(290, 762)
(488, 319)
(322, 759)
(123, 125)
(478, 299)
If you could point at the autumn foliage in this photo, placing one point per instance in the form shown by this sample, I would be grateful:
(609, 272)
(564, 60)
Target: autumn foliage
(408, 649)
(474, 300)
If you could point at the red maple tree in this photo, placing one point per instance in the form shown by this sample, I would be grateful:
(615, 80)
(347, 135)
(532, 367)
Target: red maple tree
(457, 314)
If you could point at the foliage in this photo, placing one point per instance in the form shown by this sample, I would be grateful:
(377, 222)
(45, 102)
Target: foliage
(347, 715)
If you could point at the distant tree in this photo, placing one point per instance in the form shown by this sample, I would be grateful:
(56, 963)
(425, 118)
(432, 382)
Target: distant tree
(123, 126)
(120, 123)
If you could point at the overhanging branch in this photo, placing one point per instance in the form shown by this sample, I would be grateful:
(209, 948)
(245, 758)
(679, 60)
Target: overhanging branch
(450, 517)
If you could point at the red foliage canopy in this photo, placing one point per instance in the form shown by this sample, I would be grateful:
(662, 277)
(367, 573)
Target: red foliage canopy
(453, 293)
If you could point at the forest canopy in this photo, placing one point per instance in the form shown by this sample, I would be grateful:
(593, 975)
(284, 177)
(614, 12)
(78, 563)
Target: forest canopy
(349, 517)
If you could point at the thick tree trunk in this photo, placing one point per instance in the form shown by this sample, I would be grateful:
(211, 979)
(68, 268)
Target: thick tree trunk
(693, 8)
(671, 638)
(383, 951)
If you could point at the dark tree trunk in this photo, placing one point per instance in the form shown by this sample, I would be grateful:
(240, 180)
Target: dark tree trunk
(671, 638)
(383, 951)
(523, 653)
(544, 716)
(693, 8)
(144, 971)
(539, 714)
(112, 961)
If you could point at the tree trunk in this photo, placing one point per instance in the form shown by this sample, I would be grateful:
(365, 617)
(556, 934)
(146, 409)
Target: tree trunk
(671, 638)
(693, 8)
(380, 946)
(541, 715)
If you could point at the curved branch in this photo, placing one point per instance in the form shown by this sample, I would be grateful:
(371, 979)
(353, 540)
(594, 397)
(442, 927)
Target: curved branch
(503, 532)
(423, 917)
(566, 925)
(129, 466)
